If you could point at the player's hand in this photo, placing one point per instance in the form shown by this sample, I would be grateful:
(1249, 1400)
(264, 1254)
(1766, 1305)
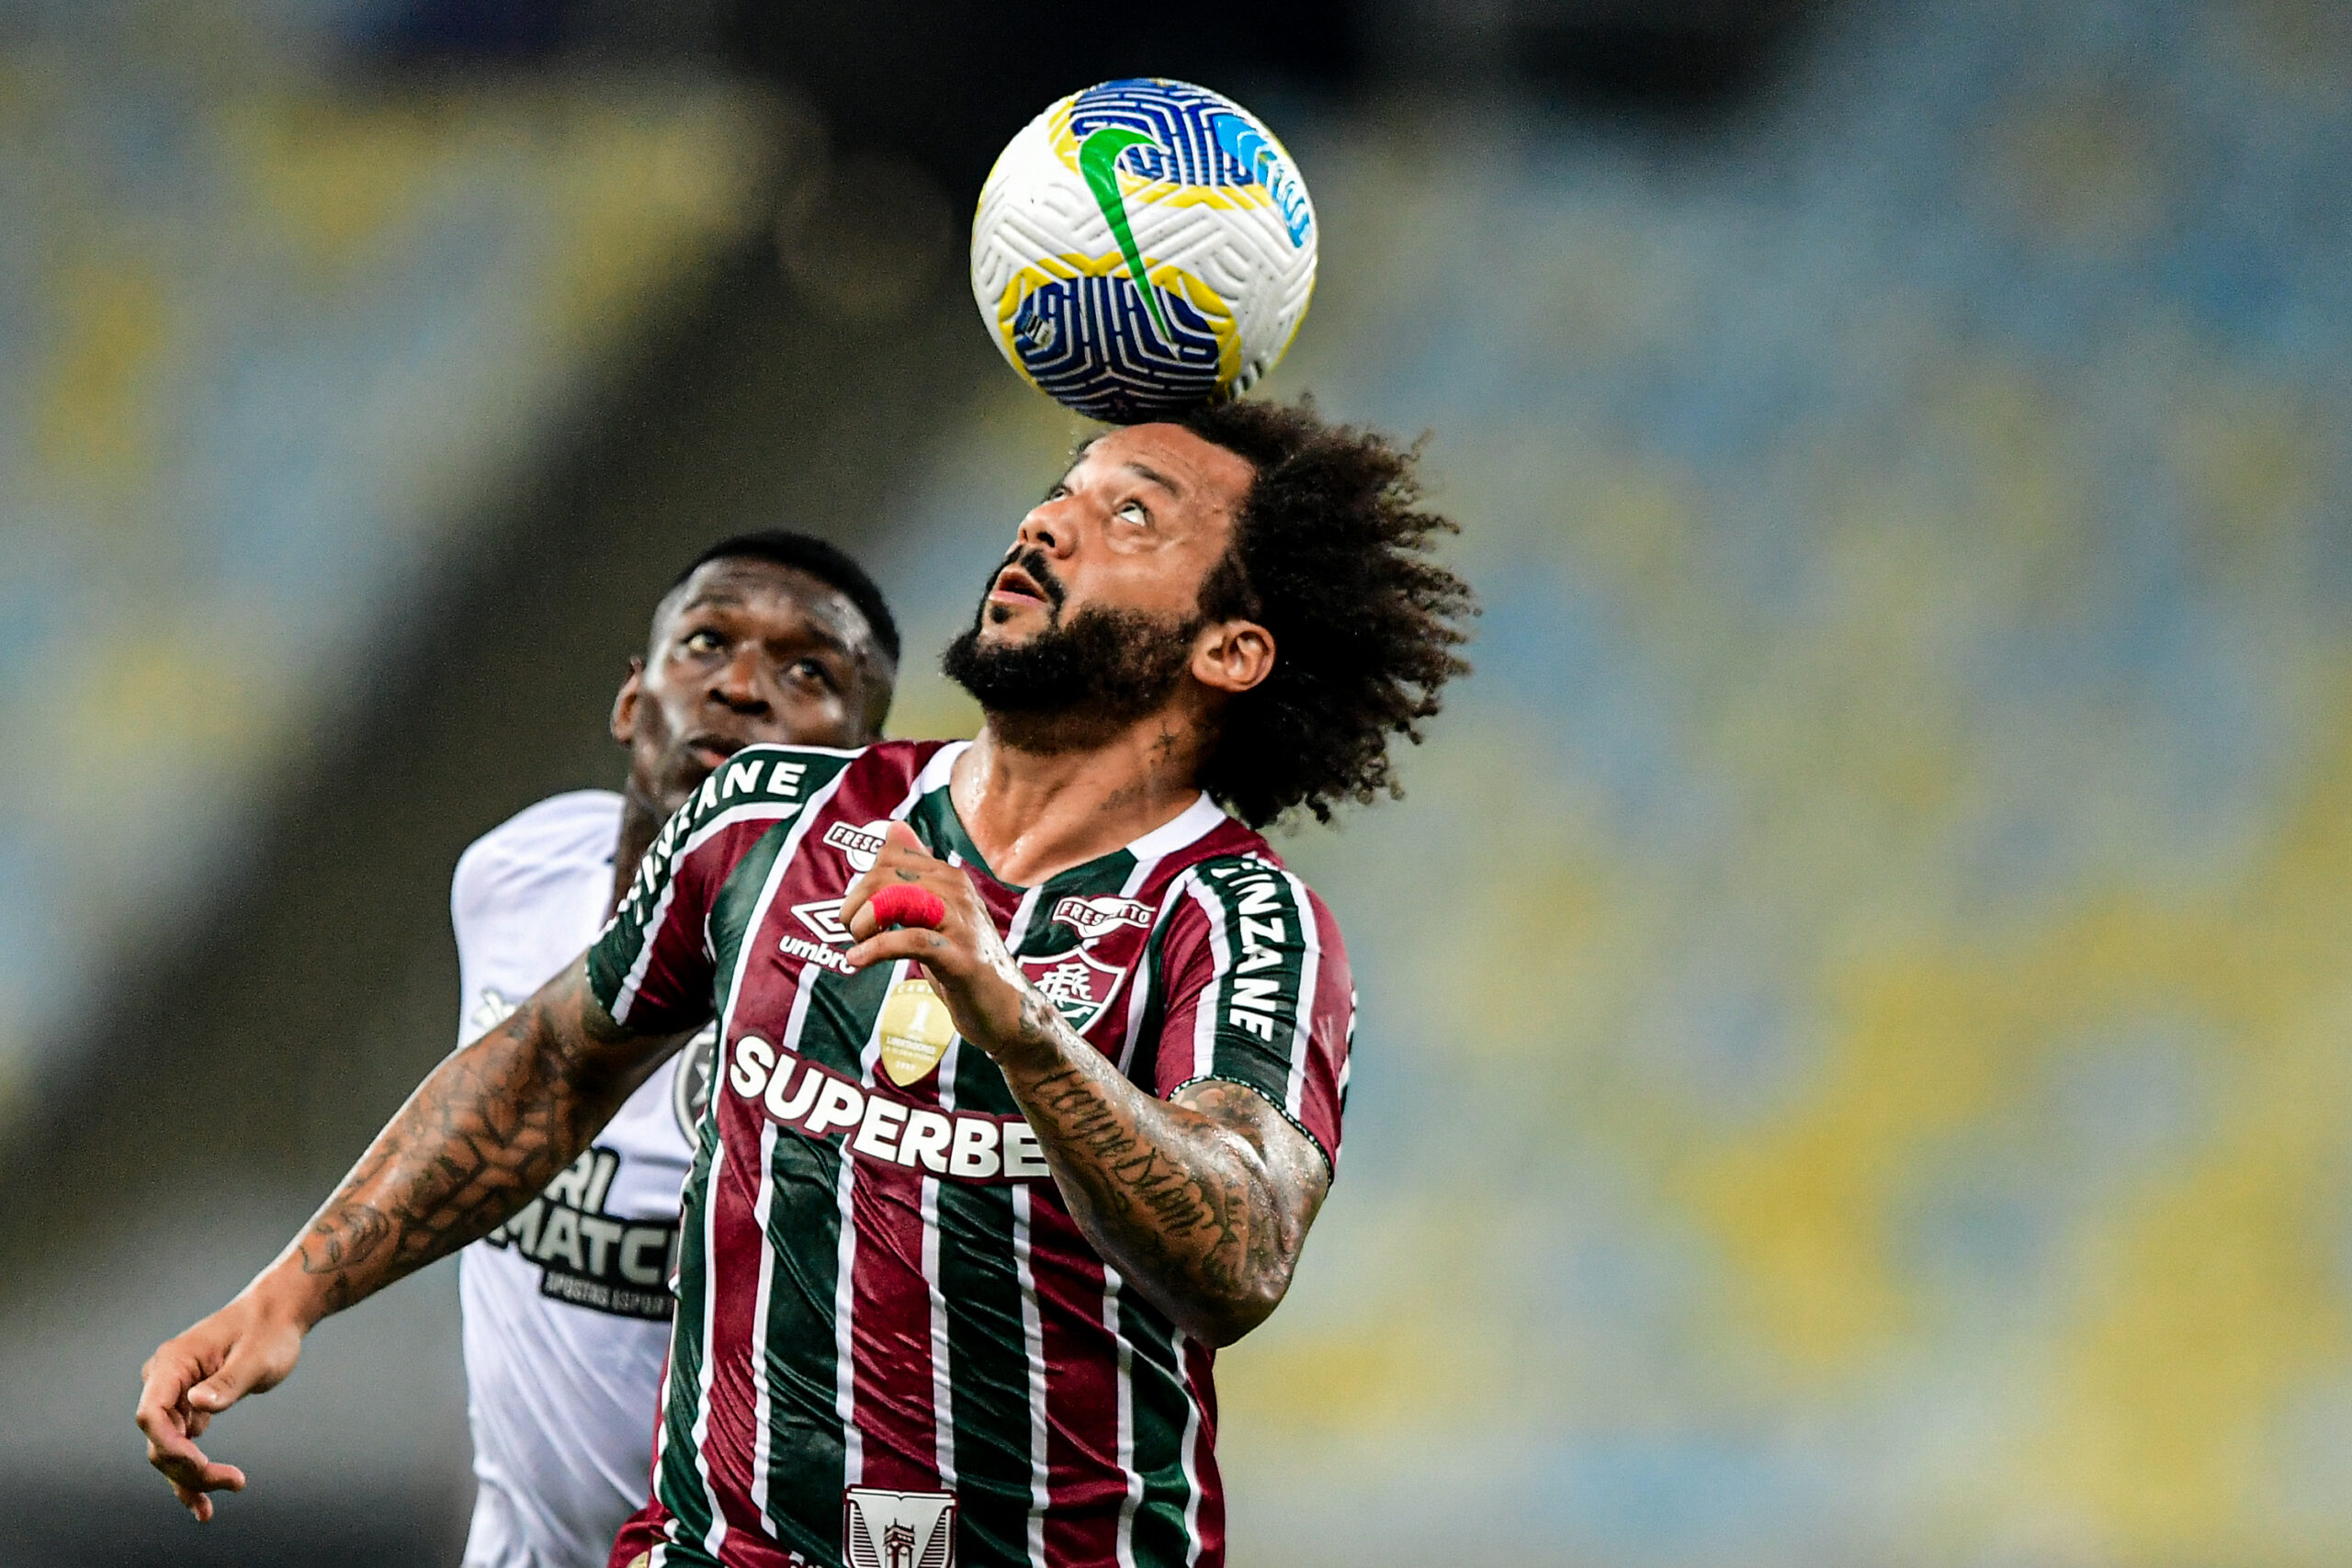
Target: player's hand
(243, 1349)
(965, 958)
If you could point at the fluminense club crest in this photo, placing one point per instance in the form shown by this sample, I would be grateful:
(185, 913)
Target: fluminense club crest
(1076, 982)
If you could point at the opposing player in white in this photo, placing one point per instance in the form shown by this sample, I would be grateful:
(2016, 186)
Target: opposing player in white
(765, 637)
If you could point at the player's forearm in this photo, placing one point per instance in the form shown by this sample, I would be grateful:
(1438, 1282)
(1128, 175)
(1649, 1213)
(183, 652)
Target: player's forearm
(482, 1135)
(1184, 1202)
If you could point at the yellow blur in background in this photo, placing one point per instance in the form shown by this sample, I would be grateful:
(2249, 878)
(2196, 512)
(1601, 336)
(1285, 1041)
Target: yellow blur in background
(1855, 1001)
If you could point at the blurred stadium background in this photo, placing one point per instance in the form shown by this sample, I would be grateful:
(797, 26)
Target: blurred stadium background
(1856, 1003)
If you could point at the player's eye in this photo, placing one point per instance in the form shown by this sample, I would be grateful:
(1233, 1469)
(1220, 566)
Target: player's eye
(813, 670)
(702, 639)
(1134, 512)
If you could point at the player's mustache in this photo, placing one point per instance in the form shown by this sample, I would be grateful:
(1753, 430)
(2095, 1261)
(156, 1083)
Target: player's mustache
(1033, 561)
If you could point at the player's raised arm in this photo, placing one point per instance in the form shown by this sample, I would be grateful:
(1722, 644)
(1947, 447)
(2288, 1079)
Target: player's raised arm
(491, 1126)
(1202, 1201)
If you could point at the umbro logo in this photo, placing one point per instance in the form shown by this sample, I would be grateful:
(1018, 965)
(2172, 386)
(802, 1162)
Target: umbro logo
(824, 917)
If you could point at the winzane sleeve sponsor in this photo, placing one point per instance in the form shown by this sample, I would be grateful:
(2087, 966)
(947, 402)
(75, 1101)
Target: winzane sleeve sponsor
(653, 968)
(1258, 993)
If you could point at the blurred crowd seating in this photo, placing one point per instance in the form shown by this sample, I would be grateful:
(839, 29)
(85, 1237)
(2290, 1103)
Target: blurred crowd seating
(271, 328)
(1854, 1054)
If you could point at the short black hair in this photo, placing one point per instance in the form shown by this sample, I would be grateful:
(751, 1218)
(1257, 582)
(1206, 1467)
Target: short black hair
(827, 563)
(1332, 554)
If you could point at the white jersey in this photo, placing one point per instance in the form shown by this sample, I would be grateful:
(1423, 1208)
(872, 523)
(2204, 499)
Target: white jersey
(567, 1304)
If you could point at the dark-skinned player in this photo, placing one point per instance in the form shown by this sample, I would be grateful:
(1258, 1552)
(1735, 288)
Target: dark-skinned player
(974, 1206)
(764, 638)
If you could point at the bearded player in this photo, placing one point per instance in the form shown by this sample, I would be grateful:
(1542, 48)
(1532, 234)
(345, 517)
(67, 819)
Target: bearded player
(764, 638)
(981, 1192)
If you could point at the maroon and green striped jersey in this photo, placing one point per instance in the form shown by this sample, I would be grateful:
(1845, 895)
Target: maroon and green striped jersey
(893, 1346)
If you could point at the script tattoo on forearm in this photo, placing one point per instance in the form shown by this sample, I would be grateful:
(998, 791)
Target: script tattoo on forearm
(489, 1128)
(1203, 1204)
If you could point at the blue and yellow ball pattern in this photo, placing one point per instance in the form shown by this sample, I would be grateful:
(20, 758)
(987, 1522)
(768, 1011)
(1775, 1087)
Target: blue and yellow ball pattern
(1143, 247)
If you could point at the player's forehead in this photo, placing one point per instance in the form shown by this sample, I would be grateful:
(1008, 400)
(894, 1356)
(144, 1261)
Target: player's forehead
(1188, 468)
(789, 598)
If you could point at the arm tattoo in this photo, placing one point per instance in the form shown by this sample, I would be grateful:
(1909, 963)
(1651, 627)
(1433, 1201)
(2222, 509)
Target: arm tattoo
(491, 1127)
(1203, 1203)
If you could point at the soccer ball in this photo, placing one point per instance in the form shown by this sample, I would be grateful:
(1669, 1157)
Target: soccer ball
(1141, 248)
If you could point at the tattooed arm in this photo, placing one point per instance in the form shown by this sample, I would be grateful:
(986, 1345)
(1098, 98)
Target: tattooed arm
(491, 1126)
(1201, 1203)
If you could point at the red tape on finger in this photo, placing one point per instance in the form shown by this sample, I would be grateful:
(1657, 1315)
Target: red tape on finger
(904, 903)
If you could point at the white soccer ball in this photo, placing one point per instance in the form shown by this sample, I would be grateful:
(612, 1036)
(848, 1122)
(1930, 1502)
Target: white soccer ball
(1143, 247)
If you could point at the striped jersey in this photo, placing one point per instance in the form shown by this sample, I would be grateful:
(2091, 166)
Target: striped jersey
(893, 1347)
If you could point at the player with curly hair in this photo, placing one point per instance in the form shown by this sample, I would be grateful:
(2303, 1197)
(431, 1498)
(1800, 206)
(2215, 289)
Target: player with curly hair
(1032, 1054)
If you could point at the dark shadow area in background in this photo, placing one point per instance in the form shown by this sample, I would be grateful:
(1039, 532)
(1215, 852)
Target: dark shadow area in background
(944, 85)
(97, 1530)
(1696, 62)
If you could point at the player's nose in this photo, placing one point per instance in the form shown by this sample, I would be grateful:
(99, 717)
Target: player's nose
(738, 686)
(1048, 528)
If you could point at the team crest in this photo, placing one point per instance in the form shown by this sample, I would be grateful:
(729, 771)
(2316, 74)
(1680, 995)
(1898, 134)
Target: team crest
(1091, 917)
(915, 1031)
(1075, 982)
(898, 1529)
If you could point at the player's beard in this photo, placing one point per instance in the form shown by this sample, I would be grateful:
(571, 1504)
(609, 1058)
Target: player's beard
(1077, 682)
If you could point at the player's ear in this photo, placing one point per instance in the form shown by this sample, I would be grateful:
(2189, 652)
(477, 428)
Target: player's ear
(1233, 656)
(625, 704)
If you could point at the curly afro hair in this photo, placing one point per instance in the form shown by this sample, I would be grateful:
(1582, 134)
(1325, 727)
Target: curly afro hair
(1331, 554)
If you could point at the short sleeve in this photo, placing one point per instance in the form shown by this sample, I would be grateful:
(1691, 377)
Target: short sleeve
(653, 968)
(1256, 991)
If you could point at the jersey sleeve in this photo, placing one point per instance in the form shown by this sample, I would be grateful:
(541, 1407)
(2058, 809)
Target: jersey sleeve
(1257, 992)
(653, 967)
(650, 967)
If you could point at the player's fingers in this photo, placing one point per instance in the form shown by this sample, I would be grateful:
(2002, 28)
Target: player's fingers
(186, 1468)
(182, 1467)
(201, 1474)
(179, 1459)
(943, 882)
(159, 1412)
(908, 903)
(902, 858)
(944, 904)
(194, 1501)
(250, 1369)
(217, 1478)
(906, 942)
